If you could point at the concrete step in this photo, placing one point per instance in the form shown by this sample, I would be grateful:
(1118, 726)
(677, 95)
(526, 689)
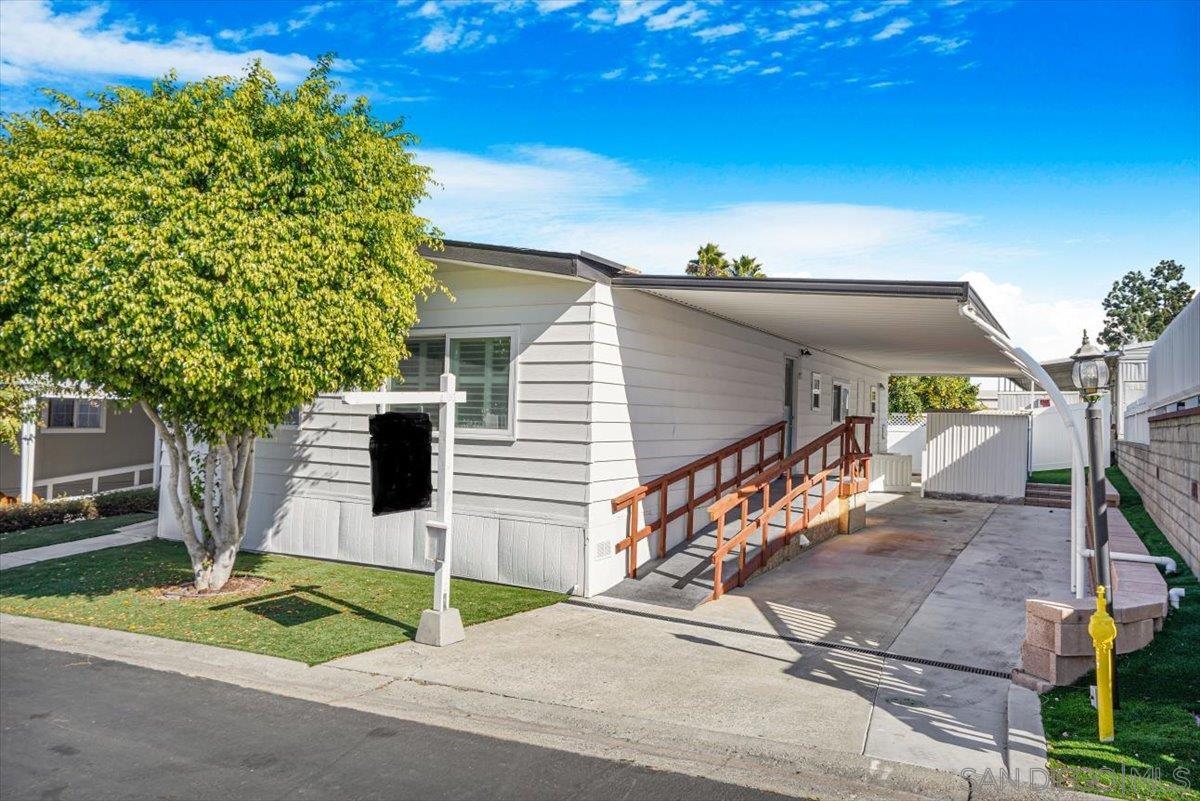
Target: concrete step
(1048, 502)
(1049, 489)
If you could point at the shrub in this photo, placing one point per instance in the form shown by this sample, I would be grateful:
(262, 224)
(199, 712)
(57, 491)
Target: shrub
(125, 502)
(67, 510)
(46, 513)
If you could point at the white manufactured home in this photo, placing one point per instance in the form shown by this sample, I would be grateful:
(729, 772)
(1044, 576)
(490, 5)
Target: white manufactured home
(586, 381)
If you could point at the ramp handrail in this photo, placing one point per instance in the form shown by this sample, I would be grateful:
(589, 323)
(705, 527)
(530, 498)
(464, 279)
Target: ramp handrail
(634, 498)
(852, 466)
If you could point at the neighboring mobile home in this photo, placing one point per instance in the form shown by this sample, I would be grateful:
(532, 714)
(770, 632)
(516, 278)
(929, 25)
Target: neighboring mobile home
(586, 379)
(82, 445)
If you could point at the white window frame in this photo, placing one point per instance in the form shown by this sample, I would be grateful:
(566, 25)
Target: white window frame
(513, 333)
(817, 389)
(102, 428)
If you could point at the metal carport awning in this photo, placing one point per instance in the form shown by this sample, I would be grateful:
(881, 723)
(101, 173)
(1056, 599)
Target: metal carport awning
(899, 327)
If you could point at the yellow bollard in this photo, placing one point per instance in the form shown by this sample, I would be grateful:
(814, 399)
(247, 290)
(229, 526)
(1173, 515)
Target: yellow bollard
(1104, 635)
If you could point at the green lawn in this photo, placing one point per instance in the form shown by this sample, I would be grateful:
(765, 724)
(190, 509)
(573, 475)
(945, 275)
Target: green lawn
(1157, 730)
(66, 532)
(313, 611)
(1060, 476)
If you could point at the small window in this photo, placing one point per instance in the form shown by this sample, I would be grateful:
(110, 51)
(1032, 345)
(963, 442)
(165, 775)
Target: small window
(874, 400)
(74, 414)
(841, 402)
(292, 418)
(816, 391)
(481, 362)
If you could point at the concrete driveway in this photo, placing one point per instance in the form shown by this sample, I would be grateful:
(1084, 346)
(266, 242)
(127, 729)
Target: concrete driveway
(830, 651)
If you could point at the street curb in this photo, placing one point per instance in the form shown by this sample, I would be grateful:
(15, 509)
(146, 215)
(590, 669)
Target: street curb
(748, 761)
(1026, 747)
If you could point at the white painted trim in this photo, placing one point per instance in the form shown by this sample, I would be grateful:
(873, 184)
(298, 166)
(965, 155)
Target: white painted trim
(95, 475)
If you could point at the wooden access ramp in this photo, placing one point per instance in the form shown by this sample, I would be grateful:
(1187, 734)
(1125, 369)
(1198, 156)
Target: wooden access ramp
(731, 513)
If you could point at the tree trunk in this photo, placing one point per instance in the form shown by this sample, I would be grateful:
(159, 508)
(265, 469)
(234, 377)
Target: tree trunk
(210, 498)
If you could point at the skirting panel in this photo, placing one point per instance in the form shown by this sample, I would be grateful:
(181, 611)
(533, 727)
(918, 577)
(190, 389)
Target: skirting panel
(487, 546)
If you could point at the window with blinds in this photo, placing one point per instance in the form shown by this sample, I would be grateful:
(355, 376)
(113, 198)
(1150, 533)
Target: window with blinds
(420, 372)
(482, 367)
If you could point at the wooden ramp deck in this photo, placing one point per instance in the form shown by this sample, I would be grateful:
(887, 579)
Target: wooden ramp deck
(684, 578)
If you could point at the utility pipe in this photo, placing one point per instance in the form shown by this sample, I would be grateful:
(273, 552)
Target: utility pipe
(1165, 562)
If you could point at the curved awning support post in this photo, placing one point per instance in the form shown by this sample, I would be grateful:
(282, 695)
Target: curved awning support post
(1035, 372)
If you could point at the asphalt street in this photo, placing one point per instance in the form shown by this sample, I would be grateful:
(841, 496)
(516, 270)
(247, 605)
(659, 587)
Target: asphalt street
(75, 727)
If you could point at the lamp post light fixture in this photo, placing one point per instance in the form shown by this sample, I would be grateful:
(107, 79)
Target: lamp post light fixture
(1090, 375)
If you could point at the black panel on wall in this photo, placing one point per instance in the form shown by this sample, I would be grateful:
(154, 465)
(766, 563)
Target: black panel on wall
(401, 462)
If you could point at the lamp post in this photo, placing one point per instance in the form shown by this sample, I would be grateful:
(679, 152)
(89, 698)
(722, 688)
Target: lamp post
(1090, 375)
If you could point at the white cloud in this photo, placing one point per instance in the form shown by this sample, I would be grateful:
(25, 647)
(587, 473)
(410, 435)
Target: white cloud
(943, 44)
(37, 43)
(771, 71)
(784, 34)
(241, 34)
(459, 35)
(807, 9)
(570, 199)
(307, 14)
(893, 28)
(720, 31)
(611, 74)
(549, 6)
(1048, 328)
(864, 15)
(505, 196)
(887, 84)
(684, 15)
(633, 10)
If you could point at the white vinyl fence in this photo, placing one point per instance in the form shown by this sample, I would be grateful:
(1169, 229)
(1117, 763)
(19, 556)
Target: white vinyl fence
(906, 436)
(980, 455)
(1050, 440)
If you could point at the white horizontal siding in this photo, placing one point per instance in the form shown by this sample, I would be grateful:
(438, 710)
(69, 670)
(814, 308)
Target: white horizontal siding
(520, 505)
(672, 384)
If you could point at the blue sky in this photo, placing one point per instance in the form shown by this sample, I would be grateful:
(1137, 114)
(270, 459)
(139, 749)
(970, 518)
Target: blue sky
(1038, 149)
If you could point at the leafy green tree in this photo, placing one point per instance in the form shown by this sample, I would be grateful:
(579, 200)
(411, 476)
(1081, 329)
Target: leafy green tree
(219, 252)
(903, 396)
(746, 267)
(18, 404)
(1138, 309)
(912, 394)
(710, 262)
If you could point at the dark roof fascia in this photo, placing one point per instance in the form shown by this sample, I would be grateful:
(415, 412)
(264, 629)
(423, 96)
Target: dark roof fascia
(571, 265)
(959, 291)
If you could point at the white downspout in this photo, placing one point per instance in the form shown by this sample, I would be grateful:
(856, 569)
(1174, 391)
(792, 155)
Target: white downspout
(1078, 490)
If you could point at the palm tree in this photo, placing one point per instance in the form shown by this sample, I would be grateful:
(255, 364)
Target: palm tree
(710, 262)
(746, 267)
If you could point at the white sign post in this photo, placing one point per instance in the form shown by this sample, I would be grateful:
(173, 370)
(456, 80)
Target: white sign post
(441, 625)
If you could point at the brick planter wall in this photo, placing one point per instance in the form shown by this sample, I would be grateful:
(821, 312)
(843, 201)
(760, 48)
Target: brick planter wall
(1167, 474)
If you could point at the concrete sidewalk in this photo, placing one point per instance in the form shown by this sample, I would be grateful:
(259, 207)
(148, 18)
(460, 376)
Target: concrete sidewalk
(126, 535)
(798, 679)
